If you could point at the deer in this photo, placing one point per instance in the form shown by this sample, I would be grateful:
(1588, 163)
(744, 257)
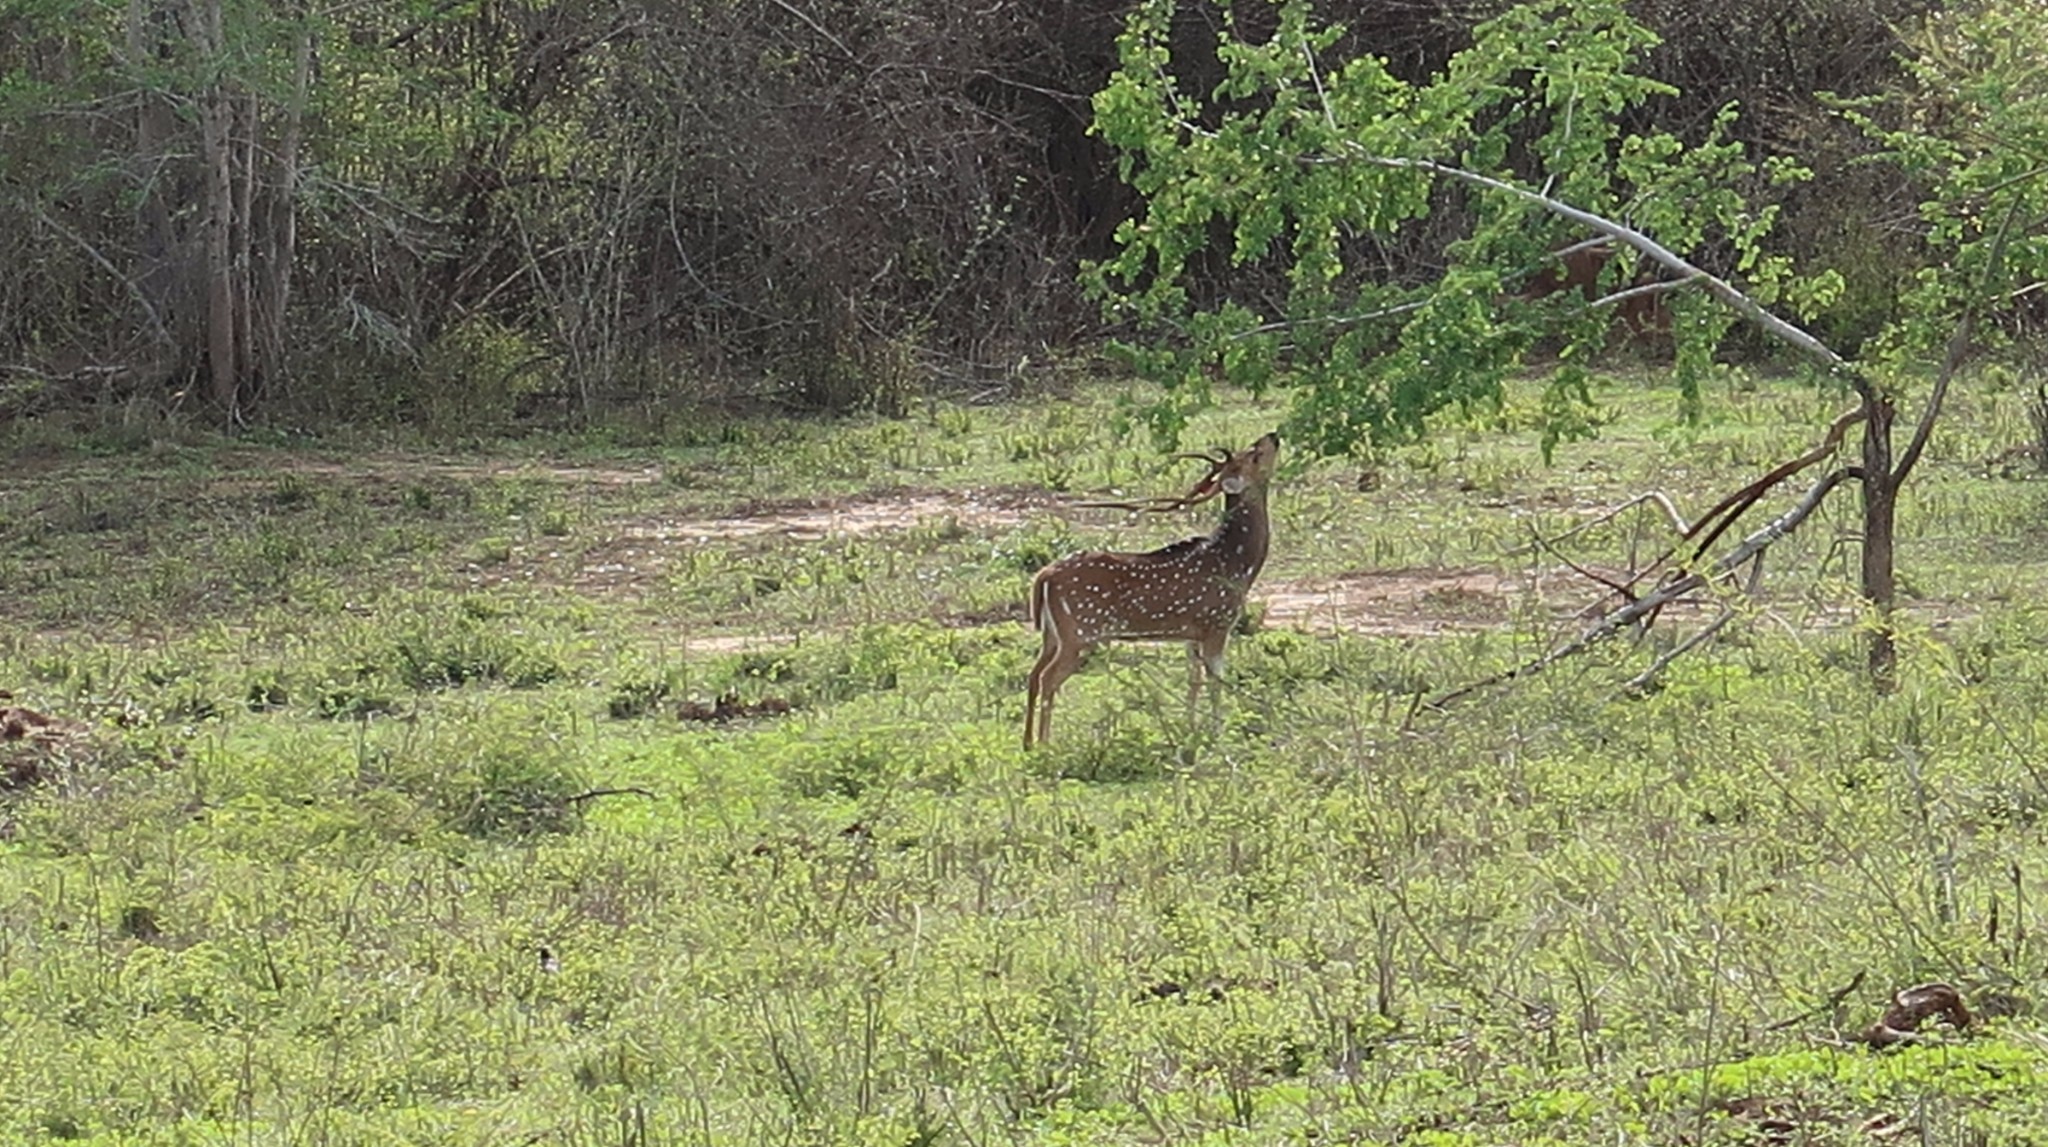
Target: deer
(1639, 309)
(1192, 590)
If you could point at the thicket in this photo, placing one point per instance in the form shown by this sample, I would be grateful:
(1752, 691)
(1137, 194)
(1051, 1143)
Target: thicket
(463, 213)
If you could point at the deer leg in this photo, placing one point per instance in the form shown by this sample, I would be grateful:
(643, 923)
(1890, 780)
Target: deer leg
(1065, 659)
(1057, 661)
(1205, 656)
(1037, 698)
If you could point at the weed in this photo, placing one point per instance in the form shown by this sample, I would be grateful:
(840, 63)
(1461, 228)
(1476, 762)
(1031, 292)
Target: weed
(433, 654)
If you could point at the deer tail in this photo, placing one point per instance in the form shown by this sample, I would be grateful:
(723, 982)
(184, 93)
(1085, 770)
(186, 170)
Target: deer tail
(1037, 607)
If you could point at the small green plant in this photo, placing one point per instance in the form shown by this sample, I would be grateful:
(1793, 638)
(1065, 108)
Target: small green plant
(494, 551)
(639, 697)
(433, 654)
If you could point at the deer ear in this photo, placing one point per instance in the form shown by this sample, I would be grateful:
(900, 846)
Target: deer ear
(1234, 484)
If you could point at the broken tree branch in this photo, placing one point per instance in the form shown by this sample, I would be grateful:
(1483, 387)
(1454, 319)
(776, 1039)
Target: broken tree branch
(1634, 612)
(1660, 287)
(1641, 682)
(1624, 591)
(1720, 517)
(1655, 497)
(1739, 502)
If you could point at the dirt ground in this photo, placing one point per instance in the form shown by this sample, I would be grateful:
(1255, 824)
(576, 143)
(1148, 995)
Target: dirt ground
(1405, 602)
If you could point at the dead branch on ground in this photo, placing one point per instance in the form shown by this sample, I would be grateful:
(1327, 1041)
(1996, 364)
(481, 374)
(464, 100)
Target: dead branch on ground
(1638, 611)
(1708, 528)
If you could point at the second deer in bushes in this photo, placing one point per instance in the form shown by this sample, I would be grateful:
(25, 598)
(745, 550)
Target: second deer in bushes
(1640, 310)
(1192, 590)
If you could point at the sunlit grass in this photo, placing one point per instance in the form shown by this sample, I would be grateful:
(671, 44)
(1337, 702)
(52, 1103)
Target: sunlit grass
(409, 840)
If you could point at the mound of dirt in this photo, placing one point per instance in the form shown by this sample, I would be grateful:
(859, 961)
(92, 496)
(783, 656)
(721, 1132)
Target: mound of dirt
(33, 744)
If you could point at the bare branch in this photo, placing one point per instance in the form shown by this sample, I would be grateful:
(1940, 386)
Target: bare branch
(1723, 515)
(800, 14)
(1738, 503)
(1654, 497)
(1660, 287)
(593, 794)
(1624, 591)
(1671, 591)
(1958, 348)
(1641, 682)
(135, 292)
(1331, 320)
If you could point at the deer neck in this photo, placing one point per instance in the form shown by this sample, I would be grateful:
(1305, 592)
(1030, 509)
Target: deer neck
(1241, 537)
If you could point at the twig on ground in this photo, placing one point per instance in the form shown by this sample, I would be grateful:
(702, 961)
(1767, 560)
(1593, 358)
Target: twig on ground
(593, 794)
(1834, 1002)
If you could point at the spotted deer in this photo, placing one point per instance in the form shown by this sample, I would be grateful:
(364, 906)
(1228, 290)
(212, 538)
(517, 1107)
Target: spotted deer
(1192, 590)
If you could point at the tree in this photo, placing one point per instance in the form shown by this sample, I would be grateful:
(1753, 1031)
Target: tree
(1297, 165)
(194, 112)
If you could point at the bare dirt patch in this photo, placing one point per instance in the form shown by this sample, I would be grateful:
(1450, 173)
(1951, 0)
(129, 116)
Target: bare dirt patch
(400, 467)
(1407, 603)
(1425, 602)
(640, 551)
(814, 521)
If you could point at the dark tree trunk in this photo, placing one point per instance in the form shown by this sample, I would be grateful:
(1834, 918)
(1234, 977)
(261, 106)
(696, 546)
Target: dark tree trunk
(1880, 506)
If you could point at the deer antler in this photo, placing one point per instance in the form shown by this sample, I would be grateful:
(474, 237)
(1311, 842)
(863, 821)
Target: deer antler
(1202, 492)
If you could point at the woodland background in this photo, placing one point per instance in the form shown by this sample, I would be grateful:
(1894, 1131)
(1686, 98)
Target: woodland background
(475, 213)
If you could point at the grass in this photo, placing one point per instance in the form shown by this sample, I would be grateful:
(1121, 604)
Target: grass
(390, 832)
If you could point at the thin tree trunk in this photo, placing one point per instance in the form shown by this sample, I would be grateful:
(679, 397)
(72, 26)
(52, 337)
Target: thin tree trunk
(1880, 507)
(280, 219)
(163, 271)
(243, 244)
(216, 116)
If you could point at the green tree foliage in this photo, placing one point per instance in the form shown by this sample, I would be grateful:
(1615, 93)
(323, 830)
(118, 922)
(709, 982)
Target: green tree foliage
(1971, 128)
(1302, 161)
(1314, 163)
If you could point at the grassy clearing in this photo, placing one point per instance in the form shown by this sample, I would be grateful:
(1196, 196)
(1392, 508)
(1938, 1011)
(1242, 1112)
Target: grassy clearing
(388, 830)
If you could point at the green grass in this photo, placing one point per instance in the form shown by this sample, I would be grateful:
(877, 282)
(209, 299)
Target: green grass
(378, 728)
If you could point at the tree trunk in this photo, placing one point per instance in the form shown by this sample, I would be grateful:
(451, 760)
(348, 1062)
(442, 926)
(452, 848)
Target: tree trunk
(216, 120)
(278, 221)
(1880, 506)
(166, 269)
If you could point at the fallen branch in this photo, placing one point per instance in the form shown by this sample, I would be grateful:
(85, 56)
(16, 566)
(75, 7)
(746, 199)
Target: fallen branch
(1634, 612)
(1716, 521)
(1736, 504)
(1619, 589)
(1641, 682)
(1655, 497)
